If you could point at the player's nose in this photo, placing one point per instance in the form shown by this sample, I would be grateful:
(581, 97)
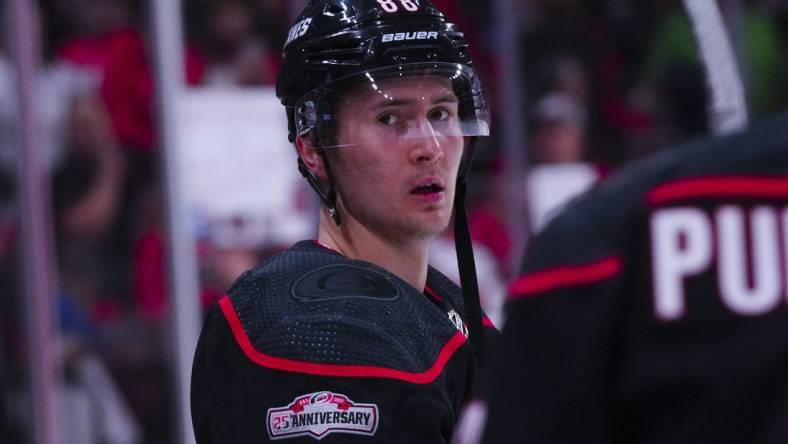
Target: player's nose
(425, 143)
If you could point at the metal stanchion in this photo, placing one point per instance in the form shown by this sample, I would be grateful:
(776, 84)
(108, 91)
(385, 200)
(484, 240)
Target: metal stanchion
(510, 100)
(37, 235)
(184, 283)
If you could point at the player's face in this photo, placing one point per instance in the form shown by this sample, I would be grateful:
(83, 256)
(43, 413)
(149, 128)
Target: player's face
(397, 173)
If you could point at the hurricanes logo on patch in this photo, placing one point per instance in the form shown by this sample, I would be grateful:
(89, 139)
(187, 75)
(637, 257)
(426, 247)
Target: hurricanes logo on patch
(321, 414)
(455, 319)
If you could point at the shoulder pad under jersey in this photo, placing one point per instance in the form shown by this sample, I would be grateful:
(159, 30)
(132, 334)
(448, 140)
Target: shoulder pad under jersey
(311, 310)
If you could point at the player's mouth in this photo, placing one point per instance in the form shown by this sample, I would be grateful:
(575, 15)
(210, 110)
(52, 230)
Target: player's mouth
(429, 190)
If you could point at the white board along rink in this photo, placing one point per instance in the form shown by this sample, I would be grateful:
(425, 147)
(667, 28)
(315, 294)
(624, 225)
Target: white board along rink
(240, 170)
(550, 188)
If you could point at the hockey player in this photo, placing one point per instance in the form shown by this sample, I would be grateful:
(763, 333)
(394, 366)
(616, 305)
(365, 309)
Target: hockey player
(353, 337)
(656, 308)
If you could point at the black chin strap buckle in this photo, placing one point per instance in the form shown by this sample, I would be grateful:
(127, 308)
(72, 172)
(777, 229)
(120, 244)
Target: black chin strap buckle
(334, 215)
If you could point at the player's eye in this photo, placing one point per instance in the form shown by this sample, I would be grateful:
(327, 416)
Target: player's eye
(439, 114)
(388, 119)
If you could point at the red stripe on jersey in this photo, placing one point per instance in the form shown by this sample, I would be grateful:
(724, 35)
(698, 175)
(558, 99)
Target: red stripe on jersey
(487, 322)
(326, 247)
(719, 187)
(563, 277)
(428, 291)
(342, 371)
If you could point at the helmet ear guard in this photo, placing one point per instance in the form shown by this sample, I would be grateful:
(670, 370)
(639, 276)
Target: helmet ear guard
(305, 117)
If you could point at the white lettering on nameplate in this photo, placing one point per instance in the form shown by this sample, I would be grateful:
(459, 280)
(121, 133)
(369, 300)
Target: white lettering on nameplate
(742, 243)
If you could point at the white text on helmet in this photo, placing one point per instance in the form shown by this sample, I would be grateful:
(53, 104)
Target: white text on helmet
(402, 36)
(390, 6)
(298, 30)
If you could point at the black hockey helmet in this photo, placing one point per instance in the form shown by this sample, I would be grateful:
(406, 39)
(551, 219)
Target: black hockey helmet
(338, 44)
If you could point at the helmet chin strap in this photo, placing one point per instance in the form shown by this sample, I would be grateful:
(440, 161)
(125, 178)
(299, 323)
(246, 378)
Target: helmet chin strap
(465, 261)
(329, 197)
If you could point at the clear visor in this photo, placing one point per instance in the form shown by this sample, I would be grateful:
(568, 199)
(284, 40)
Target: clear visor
(396, 105)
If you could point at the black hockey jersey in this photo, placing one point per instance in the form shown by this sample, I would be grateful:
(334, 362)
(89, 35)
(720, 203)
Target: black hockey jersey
(313, 346)
(655, 309)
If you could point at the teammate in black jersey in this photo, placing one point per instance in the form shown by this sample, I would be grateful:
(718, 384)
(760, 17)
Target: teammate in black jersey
(655, 310)
(352, 337)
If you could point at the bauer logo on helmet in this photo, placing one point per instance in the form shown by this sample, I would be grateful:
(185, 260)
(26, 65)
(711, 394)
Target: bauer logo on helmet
(403, 36)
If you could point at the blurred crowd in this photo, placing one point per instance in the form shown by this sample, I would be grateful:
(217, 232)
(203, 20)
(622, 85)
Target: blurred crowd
(604, 82)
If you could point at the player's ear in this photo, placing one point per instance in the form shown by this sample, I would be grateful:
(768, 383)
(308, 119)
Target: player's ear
(311, 156)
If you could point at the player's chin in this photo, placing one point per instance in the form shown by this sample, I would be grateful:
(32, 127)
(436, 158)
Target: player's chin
(432, 224)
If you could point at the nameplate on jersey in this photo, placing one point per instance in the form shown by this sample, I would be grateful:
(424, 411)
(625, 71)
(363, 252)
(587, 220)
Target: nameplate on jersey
(321, 414)
(342, 281)
(740, 250)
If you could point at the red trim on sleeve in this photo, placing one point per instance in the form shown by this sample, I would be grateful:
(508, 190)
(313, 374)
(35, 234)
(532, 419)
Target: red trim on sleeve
(487, 322)
(718, 187)
(343, 371)
(564, 277)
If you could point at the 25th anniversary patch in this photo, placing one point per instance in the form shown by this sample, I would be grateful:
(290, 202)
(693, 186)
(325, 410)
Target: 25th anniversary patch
(321, 414)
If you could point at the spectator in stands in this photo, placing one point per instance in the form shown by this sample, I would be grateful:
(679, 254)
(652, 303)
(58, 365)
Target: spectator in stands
(232, 52)
(560, 130)
(85, 168)
(109, 39)
(271, 23)
(82, 157)
(560, 170)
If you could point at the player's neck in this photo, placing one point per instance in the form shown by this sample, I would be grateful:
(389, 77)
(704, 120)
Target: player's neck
(406, 260)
